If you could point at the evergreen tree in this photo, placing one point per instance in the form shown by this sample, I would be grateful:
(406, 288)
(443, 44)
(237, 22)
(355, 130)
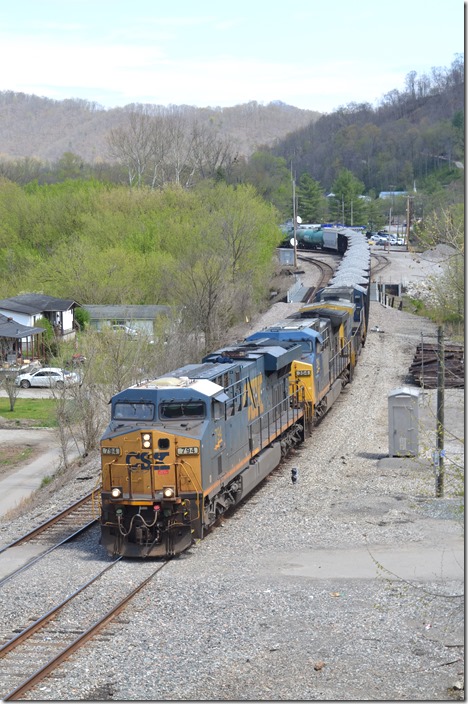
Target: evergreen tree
(311, 201)
(346, 206)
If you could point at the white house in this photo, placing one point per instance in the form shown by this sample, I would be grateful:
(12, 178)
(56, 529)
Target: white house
(28, 308)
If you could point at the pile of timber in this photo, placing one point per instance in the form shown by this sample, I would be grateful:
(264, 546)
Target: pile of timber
(425, 365)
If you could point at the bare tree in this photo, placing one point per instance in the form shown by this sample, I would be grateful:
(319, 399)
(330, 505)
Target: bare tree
(8, 383)
(210, 151)
(135, 146)
(179, 167)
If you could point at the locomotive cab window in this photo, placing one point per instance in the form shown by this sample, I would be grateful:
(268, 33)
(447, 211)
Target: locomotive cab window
(134, 411)
(180, 410)
(307, 346)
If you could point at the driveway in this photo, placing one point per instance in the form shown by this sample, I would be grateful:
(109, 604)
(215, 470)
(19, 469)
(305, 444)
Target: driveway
(18, 484)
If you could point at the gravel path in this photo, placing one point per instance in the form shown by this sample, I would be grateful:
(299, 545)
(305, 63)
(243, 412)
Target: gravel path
(345, 586)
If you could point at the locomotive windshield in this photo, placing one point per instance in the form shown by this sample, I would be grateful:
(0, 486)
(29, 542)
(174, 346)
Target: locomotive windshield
(182, 410)
(134, 411)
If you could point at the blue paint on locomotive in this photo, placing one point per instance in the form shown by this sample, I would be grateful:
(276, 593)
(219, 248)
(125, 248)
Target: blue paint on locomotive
(306, 337)
(313, 350)
(225, 398)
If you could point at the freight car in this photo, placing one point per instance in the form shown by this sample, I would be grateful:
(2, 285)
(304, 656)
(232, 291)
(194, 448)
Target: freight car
(182, 449)
(334, 239)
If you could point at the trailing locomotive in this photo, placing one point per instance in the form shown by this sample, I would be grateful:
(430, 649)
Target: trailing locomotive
(182, 449)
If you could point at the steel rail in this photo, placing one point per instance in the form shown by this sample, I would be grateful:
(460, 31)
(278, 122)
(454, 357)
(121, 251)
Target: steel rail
(50, 522)
(83, 638)
(33, 561)
(43, 620)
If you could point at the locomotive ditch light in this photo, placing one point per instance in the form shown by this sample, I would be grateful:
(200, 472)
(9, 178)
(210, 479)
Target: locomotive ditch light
(168, 492)
(146, 440)
(116, 492)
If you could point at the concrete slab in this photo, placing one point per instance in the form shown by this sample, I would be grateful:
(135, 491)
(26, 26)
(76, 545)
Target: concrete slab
(410, 562)
(18, 556)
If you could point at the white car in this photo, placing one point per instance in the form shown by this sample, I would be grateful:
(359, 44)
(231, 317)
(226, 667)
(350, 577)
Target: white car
(131, 332)
(377, 239)
(47, 377)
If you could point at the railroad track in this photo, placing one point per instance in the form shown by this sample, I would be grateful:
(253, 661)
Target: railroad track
(58, 530)
(326, 272)
(37, 650)
(381, 263)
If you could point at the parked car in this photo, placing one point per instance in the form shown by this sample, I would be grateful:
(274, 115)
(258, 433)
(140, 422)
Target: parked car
(131, 332)
(378, 239)
(47, 377)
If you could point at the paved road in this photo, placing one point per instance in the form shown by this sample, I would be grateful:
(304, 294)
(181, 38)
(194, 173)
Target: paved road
(29, 393)
(23, 481)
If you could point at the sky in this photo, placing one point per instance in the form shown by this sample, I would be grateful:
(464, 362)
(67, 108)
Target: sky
(312, 54)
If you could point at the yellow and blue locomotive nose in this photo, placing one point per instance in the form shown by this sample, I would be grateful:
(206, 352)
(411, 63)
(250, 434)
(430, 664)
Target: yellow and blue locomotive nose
(149, 496)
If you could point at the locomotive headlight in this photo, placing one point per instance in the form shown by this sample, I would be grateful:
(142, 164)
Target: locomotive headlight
(116, 492)
(168, 492)
(146, 440)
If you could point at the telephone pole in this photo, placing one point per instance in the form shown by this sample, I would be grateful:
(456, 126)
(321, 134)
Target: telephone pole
(294, 219)
(440, 414)
(409, 209)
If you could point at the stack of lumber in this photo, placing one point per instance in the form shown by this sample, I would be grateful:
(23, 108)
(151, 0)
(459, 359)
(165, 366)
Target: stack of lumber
(425, 364)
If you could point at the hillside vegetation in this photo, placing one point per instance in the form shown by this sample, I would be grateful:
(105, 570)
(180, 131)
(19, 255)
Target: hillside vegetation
(158, 205)
(45, 129)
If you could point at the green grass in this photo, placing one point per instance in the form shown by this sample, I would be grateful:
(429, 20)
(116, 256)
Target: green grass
(13, 456)
(39, 410)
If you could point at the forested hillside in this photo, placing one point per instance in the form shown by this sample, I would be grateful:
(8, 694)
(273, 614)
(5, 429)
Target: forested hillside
(45, 129)
(410, 134)
(176, 214)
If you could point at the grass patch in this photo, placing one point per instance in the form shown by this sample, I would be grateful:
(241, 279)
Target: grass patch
(14, 455)
(41, 411)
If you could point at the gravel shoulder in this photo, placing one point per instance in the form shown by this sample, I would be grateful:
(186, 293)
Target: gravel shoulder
(345, 586)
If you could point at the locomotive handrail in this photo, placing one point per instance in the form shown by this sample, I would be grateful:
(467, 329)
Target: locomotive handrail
(293, 410)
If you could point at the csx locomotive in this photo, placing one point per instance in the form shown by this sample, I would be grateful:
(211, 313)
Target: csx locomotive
(182, 449)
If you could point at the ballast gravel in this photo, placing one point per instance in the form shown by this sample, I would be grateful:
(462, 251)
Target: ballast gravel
(347, 585)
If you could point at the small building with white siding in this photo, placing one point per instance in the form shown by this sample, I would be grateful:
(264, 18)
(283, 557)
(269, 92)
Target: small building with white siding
(140, 318)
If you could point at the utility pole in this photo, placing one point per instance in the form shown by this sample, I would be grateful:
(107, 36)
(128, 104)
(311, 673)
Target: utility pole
(440, 413)
(409, 209)
(294, 220)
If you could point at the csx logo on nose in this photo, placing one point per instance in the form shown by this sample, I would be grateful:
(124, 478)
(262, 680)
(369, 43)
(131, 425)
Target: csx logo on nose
(144, 460)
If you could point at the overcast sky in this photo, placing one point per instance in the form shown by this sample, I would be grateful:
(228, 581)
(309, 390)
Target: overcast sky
(308, 53)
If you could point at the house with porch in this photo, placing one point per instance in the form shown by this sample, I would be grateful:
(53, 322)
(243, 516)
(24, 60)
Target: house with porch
(27, 308)
(19, 344)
